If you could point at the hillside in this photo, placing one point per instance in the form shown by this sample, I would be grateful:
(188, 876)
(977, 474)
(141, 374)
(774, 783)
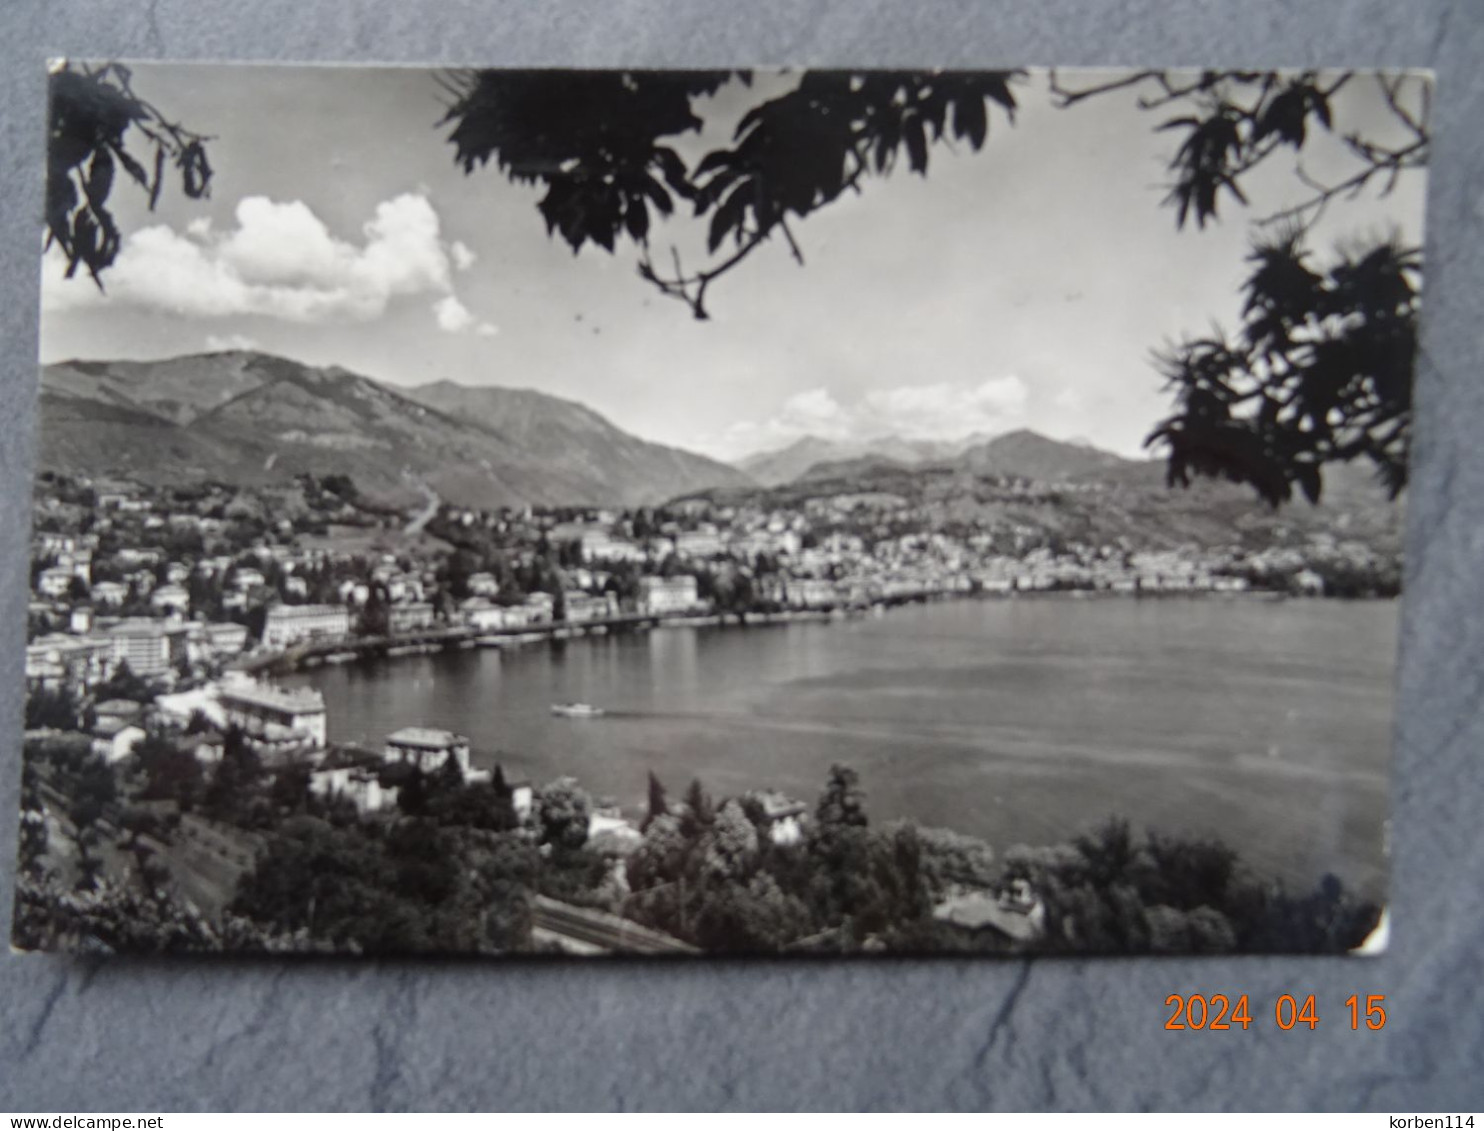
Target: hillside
(1080, 493)
(248, 417)
(787, 464)
(577, 442)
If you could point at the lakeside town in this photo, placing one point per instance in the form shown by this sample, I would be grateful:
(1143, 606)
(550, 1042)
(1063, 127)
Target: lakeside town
(163, 763)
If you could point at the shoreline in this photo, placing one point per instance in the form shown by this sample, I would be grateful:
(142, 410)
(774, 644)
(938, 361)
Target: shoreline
(416, 645)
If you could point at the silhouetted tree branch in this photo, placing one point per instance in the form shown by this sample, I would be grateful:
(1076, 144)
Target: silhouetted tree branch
(594, 141)
(95, 117)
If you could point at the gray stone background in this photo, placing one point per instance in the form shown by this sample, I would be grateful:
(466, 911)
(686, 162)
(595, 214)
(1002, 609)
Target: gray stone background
(159, 1036)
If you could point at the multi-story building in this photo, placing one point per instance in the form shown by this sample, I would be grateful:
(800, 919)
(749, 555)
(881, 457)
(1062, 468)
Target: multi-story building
(73, 661)
(482, 614)
(698, 544)
(584, 607)
(427, 748)
(287, 625)
(410, 617)
(145, 645)
(274, 714)
(225, 639)
(812, 593)
(667, 594)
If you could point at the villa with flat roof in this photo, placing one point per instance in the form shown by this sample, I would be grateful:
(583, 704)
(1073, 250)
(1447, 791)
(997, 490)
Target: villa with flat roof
(427, 748)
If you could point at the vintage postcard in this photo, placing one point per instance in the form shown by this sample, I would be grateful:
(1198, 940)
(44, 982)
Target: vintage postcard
(795, 512)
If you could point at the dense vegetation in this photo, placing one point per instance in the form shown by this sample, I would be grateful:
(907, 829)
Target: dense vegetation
(454, 871)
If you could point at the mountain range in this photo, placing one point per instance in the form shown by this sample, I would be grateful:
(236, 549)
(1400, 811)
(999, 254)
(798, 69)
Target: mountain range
(256, 419)
(253, 418)
(1080, 493)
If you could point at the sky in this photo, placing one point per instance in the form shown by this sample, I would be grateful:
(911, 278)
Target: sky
(1023, 286)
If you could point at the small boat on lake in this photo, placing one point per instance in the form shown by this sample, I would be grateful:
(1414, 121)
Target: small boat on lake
(576, 710)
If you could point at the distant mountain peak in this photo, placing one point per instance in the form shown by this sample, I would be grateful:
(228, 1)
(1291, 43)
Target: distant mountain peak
(255, 416)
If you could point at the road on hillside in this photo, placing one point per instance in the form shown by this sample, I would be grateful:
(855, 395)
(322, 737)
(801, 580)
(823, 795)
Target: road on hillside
(424, 516)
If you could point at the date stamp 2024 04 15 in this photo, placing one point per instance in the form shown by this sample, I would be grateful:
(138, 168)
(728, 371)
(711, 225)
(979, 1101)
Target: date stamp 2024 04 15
(1220, 1011)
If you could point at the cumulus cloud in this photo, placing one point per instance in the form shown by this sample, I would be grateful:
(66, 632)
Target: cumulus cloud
(463, 256)
(453, 316)
(942, 410)
(456, 318)
(278, 260)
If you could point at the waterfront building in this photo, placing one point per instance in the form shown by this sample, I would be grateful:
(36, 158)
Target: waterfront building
(274, 714)
(482, 614)
(812, 593)
(287, 625)
(583, 607)
(667, 594)
(410, 617)
(427, 748)
(227, 638)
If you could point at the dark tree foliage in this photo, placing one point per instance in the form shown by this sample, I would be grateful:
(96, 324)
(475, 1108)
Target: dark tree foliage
(98, 125)
(1321, 370)
(54, 709)
(699, 810)
(1230, 122)
(563, 808)
(842, 803)
(658, 805)
(592, 138)
(594, 141)
(124, 684)
(1319, 373)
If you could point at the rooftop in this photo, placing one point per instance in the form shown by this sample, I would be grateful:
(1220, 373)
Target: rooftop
(426, 738)
(279, 612)
(278, 698)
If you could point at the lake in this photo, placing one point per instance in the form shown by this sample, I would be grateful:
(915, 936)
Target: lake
(1265, 723)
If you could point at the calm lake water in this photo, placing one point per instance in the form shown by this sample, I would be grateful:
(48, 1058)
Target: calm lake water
(1267, 724)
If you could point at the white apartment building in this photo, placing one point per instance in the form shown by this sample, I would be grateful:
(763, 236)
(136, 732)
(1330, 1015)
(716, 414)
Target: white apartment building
(274, 713)
(667, 594)
(287, 625)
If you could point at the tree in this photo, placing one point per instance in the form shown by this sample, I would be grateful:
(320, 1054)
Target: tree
(1321, 373)
(51, 709)
(237, 780)
(699, 811)
(1321, 370)
(658, 806)
(562, 813)
(594, 142)
(843, 803)
(98, 124)
(124, 684)
(170, 769)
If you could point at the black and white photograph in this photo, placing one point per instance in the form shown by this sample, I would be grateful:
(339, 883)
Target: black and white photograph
(506, 513)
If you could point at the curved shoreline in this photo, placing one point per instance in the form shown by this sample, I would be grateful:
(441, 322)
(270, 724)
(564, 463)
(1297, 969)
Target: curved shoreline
(419, 644)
